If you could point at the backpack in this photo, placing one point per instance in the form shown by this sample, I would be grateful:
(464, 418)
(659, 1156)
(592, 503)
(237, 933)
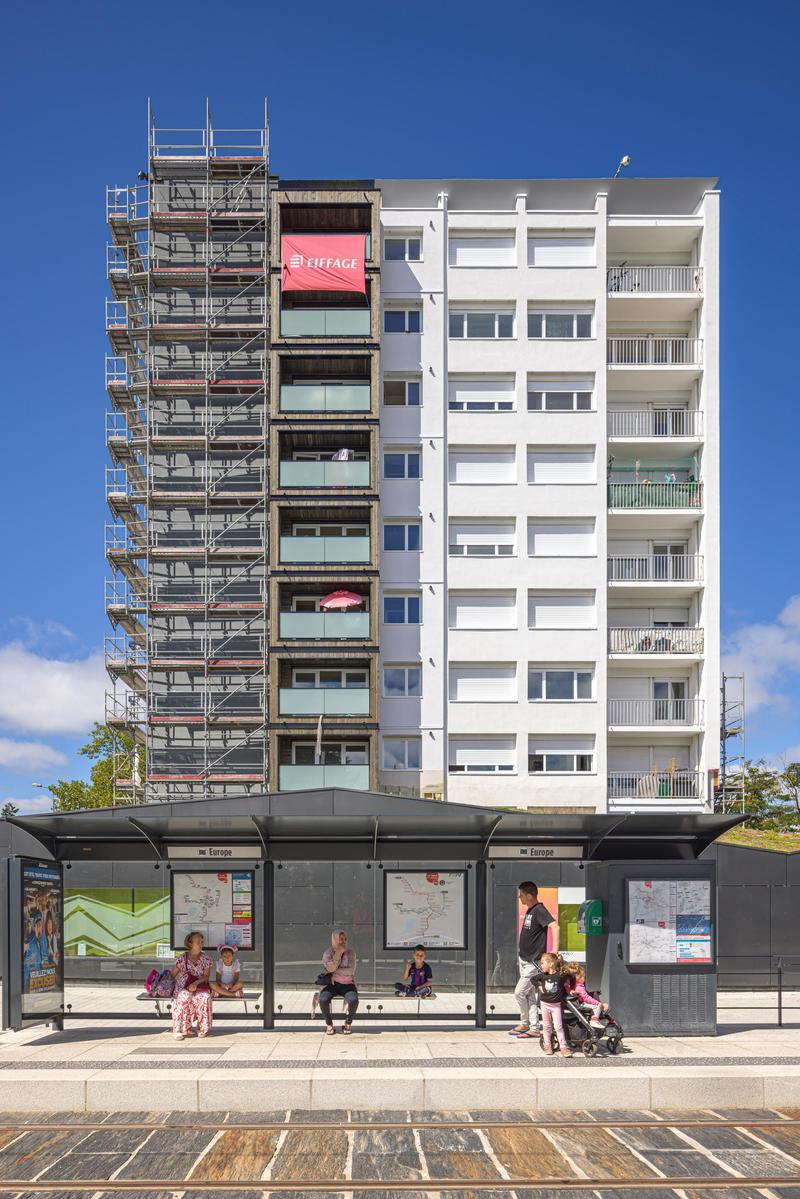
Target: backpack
(160, 984)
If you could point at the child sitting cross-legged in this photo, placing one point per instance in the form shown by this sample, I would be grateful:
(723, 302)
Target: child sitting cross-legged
(418, 975)
(228, 971)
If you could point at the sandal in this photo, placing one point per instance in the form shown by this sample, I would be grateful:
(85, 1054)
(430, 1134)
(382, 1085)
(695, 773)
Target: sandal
(347, 1029)
(329, 1030)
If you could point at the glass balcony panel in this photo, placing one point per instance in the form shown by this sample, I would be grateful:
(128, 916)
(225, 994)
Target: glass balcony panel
(321, 397)
(308, 778)
(321, 701)
(318, 625)
(324, 549)
(324, 474)
(325, 322)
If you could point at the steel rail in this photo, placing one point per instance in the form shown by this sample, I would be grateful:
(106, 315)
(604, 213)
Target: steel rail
(361, 1125)
(405, 1186)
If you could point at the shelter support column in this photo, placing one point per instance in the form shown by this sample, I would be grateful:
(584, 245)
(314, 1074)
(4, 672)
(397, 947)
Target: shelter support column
(268, 942)
(480, 944)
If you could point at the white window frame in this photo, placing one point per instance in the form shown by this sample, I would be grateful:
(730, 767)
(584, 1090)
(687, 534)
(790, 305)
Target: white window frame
(405, 237)
(481, 451)
(405, 596)
(405, 741)
(550, 668)
(484, 235)
(562, 388)
(464, 313)
(406, 311)
(509, 768)
(403, 524)
(405, 667)
(568, 595)
(404, 452)
(562, 235)
(481, 595)
(484, 669)
(406, 382)
(549, 748)
(481, 549)
(554, 310)
(563, 524)
(586, 451)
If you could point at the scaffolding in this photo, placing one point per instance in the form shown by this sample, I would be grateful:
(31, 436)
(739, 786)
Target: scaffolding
(187, 320)
(730, 793)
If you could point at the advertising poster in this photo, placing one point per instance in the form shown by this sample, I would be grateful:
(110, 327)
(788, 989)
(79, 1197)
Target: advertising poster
(42, 939)
(216, 903)
(669, 921)
(425, 907)
(563, 904)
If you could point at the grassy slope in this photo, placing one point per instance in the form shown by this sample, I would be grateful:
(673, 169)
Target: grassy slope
(757, 838)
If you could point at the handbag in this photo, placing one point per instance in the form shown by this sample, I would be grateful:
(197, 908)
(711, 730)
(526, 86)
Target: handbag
(322, 979)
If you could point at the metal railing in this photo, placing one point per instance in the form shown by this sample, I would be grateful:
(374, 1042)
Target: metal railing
(655, 495)
(658, 280)
(659, 785)
(238, 589)
(655, 641)
(654, 351)
(242, 701)
(655, 568)
(234, 647)
(655, 422)
(641, 713)
(129, 203)
(121, 648)
(118, 593)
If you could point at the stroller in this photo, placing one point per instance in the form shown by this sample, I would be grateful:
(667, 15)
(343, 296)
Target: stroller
(580, 1032)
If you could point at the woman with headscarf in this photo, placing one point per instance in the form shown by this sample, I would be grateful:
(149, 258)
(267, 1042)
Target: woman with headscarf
(339, 963)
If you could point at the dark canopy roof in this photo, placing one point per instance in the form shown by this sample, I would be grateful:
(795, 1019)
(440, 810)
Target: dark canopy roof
(337, 824)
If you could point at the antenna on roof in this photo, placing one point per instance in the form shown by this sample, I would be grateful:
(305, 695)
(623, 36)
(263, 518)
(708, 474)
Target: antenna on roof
(624, 162)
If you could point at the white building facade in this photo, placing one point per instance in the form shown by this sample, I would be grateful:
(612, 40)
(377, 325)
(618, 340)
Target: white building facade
(549, 493)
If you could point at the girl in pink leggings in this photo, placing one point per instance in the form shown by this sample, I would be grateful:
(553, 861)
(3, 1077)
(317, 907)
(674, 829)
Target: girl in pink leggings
(551, 988)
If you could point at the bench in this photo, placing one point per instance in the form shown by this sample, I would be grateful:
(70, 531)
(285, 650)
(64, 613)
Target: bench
(371, 995)
(163, 1003)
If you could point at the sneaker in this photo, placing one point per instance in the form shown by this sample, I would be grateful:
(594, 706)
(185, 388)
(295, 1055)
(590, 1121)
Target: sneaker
(548, 1049)
(596, 1022)
(514, 1032)
(347, 1029)
(563, 1052)
(178, 1036)
(329, 1030)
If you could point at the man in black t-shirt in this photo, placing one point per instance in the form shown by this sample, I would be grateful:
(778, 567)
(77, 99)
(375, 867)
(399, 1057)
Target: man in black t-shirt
(532, 944)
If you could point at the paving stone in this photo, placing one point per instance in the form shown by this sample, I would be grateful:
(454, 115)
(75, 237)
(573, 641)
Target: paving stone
(378, 1167)
(311, 1153)
(308, 1116)
(131, 1117)
(84, 1166)
(685, 1164)
(450, 1140)
(275, 1117)
(651, 1137)
(13, 1168)
(159, 1167)
(384, 1140)
(388, 1116)
(239, 1154)
(526, 1152)
(785, 1138)
(754, 1162)
(115, 1140)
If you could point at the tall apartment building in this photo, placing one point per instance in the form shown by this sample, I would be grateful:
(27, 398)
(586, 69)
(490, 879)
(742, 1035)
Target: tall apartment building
(498, 438)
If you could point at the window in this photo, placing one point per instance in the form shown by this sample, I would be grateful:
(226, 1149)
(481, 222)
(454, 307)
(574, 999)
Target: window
(334, 753)
(401, 753)
(402, 681)
(561, 249)
(401, 464)
(559, 685)
(573, 465)
(573, 610)
(562, 395)
(330, 679)
(482, 324)
(401, 609)
(480, 395)
(561, 539)
(483, 684)
(402, 320)
(397, 536)
(482, 540)
(401, 393)
(330, 530)
(482, 755)
(398, 248)
(560, 755)
(476, 249)
(559, 324)
(491, 610)
(492, 465)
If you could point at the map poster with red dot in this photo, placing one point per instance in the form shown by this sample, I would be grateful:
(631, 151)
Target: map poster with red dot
(218, 904)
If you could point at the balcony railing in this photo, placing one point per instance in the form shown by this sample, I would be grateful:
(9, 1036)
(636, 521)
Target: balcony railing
(642, 713)
(322, 550)
(324, 474)
(325, 397)
(324, 701)
(338, 626)
(655, 422)
(656, 568)
(655, 641)
(309, 778)
(655, 495)
(211, 703)
(654, 351)
(654, 280)
(655, 784)
(326, 322)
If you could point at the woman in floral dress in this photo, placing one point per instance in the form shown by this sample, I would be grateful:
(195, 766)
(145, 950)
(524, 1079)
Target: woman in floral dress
(191, 1001)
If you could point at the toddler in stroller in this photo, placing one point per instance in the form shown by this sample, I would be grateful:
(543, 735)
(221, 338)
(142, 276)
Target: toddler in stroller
(587, 1020)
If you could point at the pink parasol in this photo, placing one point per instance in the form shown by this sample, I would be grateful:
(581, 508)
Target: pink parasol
(341, 601)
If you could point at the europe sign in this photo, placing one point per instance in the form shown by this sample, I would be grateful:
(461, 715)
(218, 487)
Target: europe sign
(323, 262)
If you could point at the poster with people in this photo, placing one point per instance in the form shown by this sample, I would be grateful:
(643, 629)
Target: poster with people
(42, 939)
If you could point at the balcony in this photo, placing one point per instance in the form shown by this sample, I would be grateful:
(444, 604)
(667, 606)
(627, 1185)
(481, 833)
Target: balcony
(324, 701)
(659, 785)
(321, 551)
(654, 351)
(655, 641)
(645, 713)
(658, 423)
(654, 280)
(656, 568)
(326, 322)
(649, 495)
(320, 626)
(324, 474)
(325, 397)
(309, 778)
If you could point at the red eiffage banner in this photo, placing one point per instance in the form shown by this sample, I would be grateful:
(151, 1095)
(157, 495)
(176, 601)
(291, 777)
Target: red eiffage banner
(323, 262)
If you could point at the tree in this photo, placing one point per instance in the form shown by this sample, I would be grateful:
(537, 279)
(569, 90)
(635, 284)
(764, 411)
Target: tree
(103, 744)
(772, 795)
(8, 809)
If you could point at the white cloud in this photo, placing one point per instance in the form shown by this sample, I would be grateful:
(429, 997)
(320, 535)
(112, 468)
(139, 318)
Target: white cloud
(49, 695)
(767, 654)
(24, 757)
(28, 807)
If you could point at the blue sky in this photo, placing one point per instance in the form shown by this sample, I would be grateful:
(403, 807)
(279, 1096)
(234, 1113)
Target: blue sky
(371, 90)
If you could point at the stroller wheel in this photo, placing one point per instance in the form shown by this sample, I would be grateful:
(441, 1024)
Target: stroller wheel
(614, 1044)
(589, 1047)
